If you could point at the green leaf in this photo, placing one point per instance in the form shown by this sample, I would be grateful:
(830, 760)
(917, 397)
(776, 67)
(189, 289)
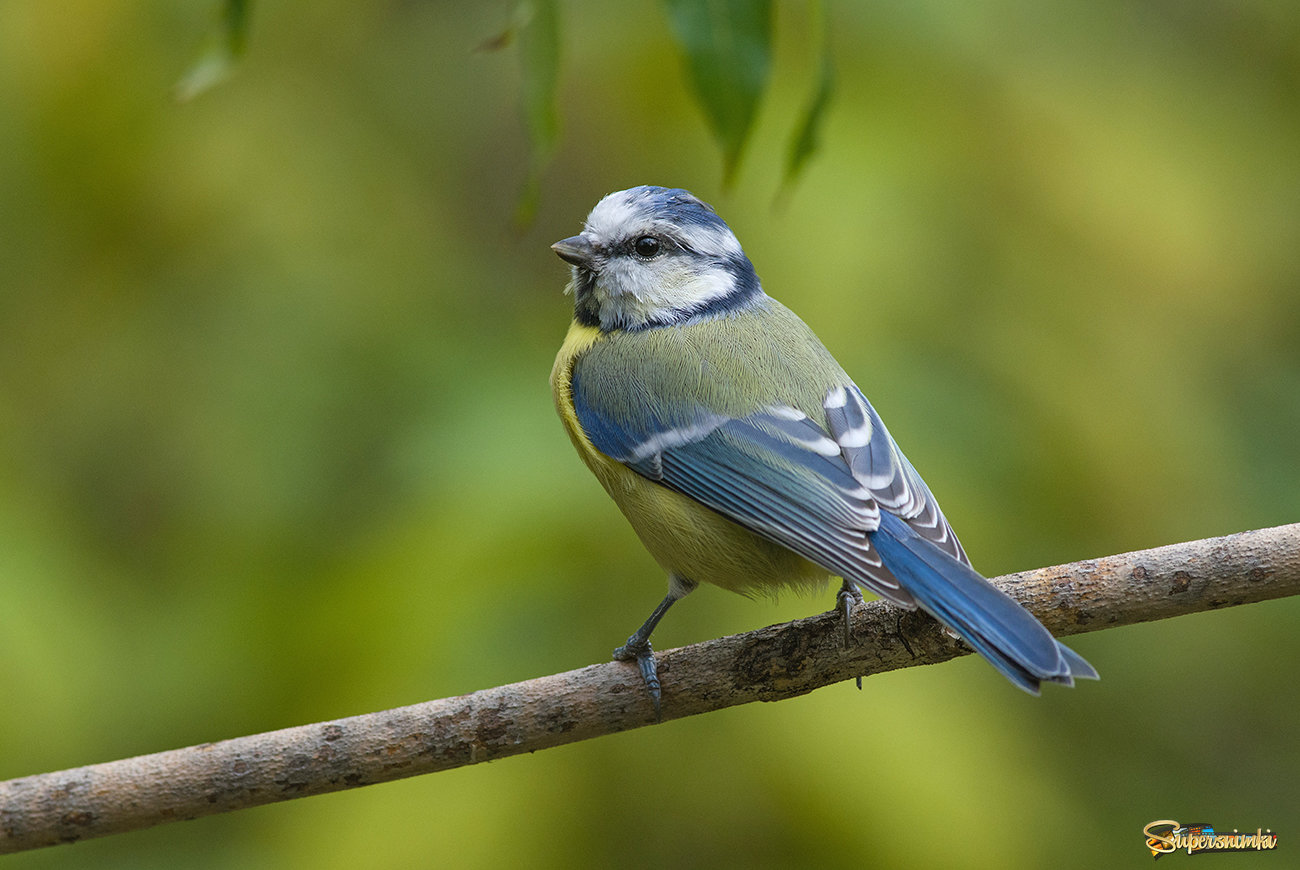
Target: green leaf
(221, 50)
(806, 136)
(728, 48)
(538, 32)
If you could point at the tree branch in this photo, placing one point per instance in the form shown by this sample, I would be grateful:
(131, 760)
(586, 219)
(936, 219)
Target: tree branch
(770, 664)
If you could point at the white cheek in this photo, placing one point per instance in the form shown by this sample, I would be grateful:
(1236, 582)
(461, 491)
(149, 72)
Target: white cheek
(629, 283)
(644, 290)
(700, 288)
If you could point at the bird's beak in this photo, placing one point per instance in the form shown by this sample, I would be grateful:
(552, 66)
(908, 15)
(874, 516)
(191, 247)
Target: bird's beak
(575, 250)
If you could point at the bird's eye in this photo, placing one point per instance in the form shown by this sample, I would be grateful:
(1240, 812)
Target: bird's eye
(646, 246)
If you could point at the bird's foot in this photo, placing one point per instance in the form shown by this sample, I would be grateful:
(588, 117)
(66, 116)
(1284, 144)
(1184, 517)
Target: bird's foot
(848, 597)
(638, 649)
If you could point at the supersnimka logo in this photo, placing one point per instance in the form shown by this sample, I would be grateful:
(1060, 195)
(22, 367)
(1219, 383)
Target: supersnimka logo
(1165, 836)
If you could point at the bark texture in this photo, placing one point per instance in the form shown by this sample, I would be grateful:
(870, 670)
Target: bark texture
(770, 664)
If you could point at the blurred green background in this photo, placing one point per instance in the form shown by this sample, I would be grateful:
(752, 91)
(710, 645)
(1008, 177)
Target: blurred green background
(276, 443)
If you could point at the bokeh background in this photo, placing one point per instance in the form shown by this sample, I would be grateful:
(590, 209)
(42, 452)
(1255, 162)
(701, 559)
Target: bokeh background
(276, 443)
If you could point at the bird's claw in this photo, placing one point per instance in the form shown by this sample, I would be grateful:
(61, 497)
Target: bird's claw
(848, 596)
(844, 602)
(639, 650)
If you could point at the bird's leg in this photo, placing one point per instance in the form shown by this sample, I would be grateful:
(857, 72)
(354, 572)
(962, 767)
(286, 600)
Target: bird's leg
(848, 596)
(638, 648)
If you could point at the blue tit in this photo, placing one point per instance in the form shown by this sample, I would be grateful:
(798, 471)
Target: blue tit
(738, 448)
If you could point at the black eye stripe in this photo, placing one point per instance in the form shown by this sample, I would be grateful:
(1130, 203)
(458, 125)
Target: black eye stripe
(668, 243)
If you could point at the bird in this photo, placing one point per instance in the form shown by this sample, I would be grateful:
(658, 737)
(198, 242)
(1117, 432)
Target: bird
(740, 451)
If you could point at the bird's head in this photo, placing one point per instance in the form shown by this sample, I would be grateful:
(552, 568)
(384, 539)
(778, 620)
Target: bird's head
(656, 256)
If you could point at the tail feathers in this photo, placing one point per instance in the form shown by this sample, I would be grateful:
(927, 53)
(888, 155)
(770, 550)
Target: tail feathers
(991, 621)
(1079, 667)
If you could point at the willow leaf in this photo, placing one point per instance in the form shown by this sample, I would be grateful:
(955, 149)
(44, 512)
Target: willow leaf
(728, 50)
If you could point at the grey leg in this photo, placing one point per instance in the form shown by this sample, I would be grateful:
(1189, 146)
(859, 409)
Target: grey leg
(848, 596)
(638, 648)
(844, 601)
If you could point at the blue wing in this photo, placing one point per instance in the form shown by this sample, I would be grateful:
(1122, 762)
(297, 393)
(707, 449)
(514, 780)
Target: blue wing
(776, 473)
(876, 460)
(820, 492)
